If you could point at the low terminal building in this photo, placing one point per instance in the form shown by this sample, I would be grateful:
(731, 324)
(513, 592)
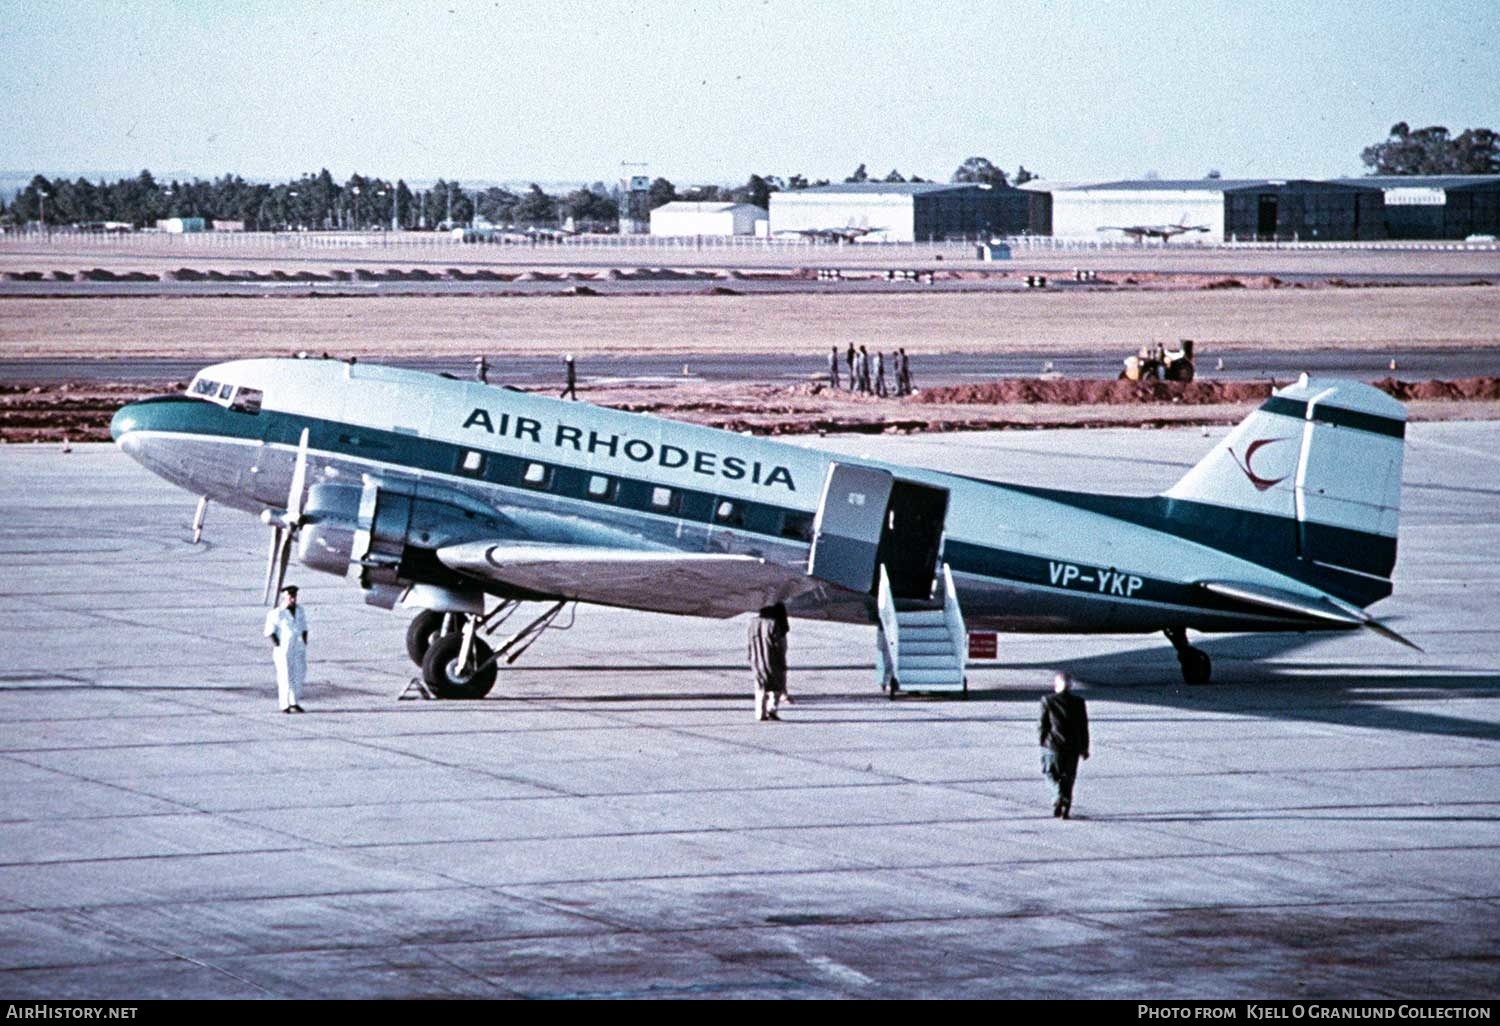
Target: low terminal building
(681, 217)
(1220, 210)
(1436, 206)
(911, 211)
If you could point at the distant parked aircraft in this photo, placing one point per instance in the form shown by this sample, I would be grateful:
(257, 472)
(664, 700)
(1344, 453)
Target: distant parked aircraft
(846, 234)
(1164, 232)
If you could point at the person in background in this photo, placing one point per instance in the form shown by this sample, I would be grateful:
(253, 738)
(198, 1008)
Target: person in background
(1064, 738)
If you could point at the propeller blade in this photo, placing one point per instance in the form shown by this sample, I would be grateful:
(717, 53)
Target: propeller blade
(283, 557)
(299, 482)
(276, 532)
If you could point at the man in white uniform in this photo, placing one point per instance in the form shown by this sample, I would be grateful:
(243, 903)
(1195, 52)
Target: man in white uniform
(286, 626)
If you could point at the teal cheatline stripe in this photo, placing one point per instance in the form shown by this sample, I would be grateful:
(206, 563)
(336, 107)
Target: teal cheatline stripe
(1371, 422)
(187, 415)
(1261, 538)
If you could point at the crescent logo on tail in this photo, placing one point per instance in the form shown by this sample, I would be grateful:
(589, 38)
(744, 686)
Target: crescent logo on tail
(1260, 483)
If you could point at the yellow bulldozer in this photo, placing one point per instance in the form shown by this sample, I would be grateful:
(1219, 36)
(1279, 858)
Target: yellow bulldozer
(1156, 362)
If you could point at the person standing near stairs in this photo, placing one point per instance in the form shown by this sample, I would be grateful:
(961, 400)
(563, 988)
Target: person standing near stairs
(1064, 737)
(767, 651)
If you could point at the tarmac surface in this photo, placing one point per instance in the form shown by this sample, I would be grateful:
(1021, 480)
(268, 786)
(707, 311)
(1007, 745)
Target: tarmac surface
(1323, 822)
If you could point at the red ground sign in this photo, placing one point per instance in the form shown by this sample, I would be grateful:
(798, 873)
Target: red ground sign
(982, 645)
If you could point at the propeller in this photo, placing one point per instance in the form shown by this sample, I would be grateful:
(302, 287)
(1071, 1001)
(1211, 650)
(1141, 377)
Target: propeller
(284, 527)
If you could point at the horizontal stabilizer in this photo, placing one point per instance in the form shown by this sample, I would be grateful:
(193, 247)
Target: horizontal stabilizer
(1325, 608)
(689, 583)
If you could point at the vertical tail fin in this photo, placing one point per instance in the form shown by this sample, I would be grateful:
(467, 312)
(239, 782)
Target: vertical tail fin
(1316, 468)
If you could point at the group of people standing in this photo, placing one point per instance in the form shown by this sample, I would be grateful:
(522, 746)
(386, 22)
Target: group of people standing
(866, 374)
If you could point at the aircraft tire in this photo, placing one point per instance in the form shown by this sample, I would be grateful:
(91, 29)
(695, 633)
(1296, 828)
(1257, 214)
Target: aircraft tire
(1197, 667)
(425, 628)
(440, 672)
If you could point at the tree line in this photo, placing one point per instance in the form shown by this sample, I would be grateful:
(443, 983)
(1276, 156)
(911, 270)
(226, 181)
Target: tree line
(317, 202)
(1432, 151)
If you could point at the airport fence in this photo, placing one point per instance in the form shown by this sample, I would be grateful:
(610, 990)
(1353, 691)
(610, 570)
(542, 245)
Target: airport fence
(430, 244)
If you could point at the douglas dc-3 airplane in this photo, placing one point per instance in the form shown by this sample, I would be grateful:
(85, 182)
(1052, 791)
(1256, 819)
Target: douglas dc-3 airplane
(462, 500)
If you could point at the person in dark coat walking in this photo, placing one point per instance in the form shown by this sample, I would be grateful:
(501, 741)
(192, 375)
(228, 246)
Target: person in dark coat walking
(833, 368)
(767, 652)
(849, 360)
(571, 387)
(1064, 737)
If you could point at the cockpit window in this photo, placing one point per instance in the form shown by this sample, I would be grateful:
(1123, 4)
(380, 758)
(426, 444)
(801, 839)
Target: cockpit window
(205, 387)
(246, 400)
(224, 390)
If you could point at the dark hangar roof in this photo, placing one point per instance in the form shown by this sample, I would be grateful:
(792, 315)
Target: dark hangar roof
(894, 188)
(1424, 181)
(1217, 185)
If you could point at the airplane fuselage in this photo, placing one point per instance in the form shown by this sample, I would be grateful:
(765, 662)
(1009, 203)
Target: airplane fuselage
(568, 473)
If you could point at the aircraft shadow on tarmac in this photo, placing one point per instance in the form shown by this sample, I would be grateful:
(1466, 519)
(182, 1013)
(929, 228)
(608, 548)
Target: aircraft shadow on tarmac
(1337, 694)
(1342, 694)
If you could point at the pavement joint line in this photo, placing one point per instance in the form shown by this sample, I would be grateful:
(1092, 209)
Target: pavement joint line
(312, 844)
(824, 922)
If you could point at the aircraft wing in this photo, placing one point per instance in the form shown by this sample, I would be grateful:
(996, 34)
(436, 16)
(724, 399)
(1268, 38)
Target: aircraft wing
(691, 583)
(1327, 608)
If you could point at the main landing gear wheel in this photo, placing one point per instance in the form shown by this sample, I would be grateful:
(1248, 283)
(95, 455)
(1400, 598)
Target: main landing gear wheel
(441, 672)
(1197, 667)
(425, 628)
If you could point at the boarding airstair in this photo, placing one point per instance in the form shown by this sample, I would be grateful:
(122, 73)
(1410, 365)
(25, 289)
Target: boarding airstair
(921, 646)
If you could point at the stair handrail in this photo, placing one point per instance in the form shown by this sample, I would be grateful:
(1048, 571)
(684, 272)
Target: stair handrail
(889, 641)
(953, 617)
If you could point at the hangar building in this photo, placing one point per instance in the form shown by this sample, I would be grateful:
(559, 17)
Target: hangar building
(681, 217)
(1239, 209)
(913, 211)
(1437, 206)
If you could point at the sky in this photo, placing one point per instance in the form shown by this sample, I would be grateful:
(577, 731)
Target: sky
(562, 91)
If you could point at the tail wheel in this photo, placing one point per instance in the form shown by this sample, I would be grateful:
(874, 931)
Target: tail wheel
(425, 628)
(447, 679)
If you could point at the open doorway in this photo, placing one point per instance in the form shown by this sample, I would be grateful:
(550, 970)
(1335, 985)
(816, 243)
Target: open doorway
(912, 538)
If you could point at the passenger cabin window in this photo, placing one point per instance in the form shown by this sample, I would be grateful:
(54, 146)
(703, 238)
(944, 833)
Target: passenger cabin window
(798, 526)
(471, 463)
(663, 499)
(601, 487)
(538, 475)
(729, 514)
(246, 400)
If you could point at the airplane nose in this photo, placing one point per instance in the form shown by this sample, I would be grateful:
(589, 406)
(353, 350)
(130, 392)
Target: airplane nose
(126, 420)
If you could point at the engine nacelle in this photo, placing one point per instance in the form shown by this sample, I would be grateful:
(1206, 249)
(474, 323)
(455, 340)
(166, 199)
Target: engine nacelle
(389, 529)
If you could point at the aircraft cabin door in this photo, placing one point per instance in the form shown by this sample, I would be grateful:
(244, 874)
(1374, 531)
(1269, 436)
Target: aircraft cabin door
(847, 532)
